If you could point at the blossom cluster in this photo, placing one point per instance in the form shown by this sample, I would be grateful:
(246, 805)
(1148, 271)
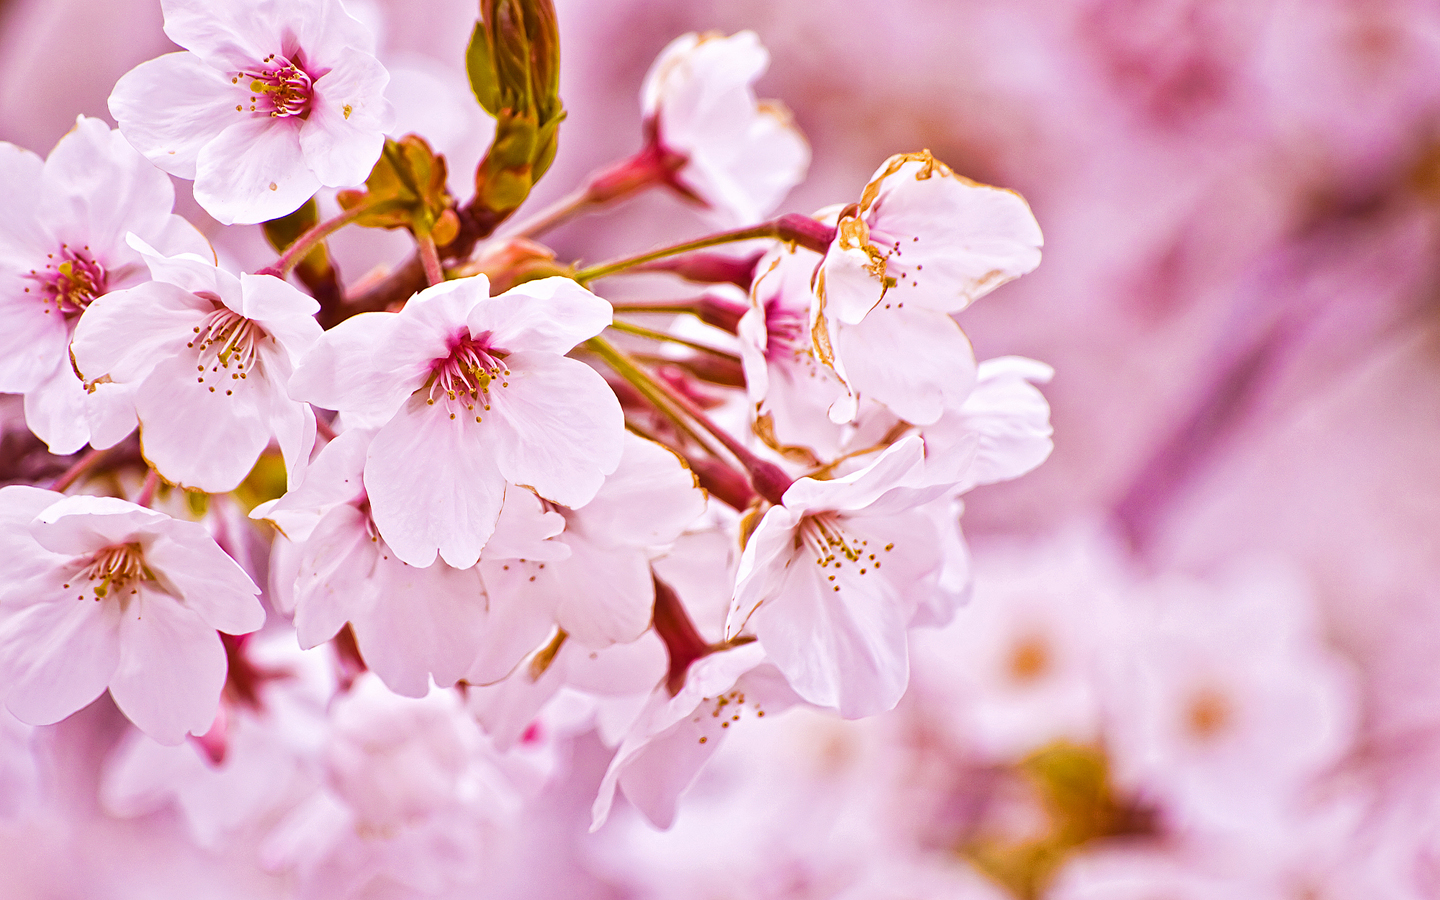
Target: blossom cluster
(387, 510)
(490, 494)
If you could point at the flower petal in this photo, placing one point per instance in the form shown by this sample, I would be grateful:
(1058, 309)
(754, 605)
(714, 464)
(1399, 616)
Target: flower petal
(914, 360)
(206, 578)
(433, 484)
(424, 623)
(254, 171)
(171, 670)
(170, 107)
(343, 134)
(559, 429)
(57, 653)
(550, 314)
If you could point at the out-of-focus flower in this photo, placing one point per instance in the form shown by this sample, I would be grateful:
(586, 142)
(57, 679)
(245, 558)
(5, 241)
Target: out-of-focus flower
(98, 592)
(270, 103)
(737, 155)
(470, 392)
(208, 356)
(62, 245)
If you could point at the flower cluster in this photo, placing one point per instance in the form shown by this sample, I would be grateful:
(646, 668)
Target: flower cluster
(506, 508)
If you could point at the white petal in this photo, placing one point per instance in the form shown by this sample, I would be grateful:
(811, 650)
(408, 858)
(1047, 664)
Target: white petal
(254, 171)
(424, 623)
(604, 595)
(354, 367)
(58, 653)
(559, 427)
(433, 484)
(334, 584)
(206, 578)
(169, 108)
(124, 333)
(649, 500)
(551, 314)
(914, 360)
(202, 430)
(172, 667)
(55, 411)
(343, 134)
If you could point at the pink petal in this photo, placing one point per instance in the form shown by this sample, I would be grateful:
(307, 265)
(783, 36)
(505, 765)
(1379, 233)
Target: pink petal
(425, 622)
(170, 107)
(334, 575)
(349, 114)
(124, 333)
(913, 360)
(98, 189)
(559, 427)
(254, 171)
(204, 576)
(172, 667)
(203, 434)
(57, 653)
(433, 484)
(352, 367)
(551, 314)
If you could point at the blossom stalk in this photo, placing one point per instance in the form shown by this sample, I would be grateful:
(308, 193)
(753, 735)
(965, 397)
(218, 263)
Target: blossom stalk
(792, 228)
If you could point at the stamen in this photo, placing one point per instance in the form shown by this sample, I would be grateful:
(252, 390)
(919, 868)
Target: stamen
(467, 373)
(283, 90)
(113, 569)
(71, 284)
(228, 341)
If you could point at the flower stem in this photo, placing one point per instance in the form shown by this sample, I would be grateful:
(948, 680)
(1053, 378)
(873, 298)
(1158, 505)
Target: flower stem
(307, 241)
(430, 258)
(767, 478)
(652, 334)
(796, 229)
(81, 466)
(618, 181)
(627, 369)
(147, 490)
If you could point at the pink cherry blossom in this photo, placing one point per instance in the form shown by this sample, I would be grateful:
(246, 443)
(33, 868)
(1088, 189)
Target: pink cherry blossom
(675, 735)
(470, 393)
(269, 103)
(208, 356)
(740, 156)
(925, 236)
(62, 245)
(98, 592)
(411, 624)
(829, 582)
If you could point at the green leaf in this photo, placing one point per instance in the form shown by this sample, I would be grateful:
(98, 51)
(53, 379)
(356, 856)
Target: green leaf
(480, 65)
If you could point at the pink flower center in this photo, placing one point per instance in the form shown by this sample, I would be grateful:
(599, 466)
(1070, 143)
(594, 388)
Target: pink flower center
(113, 569)
(784, 327)
(71, 283)
(279, 89)
(465, 376)
(229, 345)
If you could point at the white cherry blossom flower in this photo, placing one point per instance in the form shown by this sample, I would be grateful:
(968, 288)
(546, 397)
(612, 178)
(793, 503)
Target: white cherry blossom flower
(97, 592)
(411, 624)
(270, 102)
(675, 735)
(62, 245)
(740, 156)
(927, 237)
(830, 580)
(601, 591)
(208, 356)
(470, 393)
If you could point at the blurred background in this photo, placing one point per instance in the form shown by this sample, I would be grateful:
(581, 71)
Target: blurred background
(1238, 295)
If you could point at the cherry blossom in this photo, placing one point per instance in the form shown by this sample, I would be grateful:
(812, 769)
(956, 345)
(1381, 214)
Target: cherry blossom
(267, 104)
(62, 245)
(208, 356)
(925, 236)
(675, 735)
(828, 582)
(98, 592)
(737, 155)
(411, 624)
(470, 392)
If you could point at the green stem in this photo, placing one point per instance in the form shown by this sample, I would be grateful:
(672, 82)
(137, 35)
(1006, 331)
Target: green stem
(307, 241)
(768, 480)
(627, 369)
(652, 334)
(796, 229)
